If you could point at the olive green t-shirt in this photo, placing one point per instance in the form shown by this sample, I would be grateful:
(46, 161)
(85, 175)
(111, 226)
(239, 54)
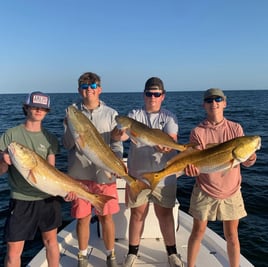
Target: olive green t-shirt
(43, 143)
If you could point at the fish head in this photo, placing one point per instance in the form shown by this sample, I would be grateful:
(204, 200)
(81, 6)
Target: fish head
(247, 146)
(21, 157)
(123, 122)
(76, 120)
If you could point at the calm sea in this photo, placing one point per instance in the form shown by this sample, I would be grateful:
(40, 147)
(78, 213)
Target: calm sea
(249, 108)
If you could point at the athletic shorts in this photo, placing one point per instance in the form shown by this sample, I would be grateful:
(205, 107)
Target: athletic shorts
(162, 196)
(82, 208)
(26, 217)
(203, 207)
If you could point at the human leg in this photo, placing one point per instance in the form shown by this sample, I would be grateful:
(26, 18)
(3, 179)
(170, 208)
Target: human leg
(13, 255)
(198, 231)
(83, 232)
(166, 223)
(108, 233)
(106, 220)
(81, 210)
(167, 227)
(136, 223)
(136, 226)
(230, 229)
(52, 247)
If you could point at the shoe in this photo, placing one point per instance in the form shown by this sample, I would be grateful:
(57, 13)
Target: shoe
(130, 260)
(82, 261)
(174, 260)
(111, 261)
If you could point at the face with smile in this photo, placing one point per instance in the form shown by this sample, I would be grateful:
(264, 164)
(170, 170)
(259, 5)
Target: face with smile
(90, 92)
(214, 106)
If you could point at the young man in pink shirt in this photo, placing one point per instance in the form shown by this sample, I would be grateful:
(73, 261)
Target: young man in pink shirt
(216, 196)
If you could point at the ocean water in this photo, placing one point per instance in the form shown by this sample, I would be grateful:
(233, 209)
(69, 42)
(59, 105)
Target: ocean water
(249, 108)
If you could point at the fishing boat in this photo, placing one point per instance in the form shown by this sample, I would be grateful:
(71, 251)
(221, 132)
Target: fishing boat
(152, 249)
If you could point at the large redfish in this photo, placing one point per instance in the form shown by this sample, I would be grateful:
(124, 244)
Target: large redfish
(216, 158)
(141, 133)
(43, 176)
(92, 145)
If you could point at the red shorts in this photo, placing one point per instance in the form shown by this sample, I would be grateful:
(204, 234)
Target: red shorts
(82, 208)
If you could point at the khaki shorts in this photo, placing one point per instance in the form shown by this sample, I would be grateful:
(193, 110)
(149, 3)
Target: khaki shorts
(204, 207)
(82, 208)
(162, 196)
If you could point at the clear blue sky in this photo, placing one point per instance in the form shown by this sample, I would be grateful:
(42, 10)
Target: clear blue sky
(191, 44)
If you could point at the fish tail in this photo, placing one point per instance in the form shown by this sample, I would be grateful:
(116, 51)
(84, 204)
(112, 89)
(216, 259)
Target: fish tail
(136, 186)
(153, 178)
(100, 201)
(182, 148)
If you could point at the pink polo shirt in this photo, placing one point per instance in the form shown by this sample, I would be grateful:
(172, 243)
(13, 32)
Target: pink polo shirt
(218, 185)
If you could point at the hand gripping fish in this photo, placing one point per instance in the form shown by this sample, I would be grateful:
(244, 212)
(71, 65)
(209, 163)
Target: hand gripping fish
(43, 176)
(91, 144)
(141, 133)
(220, 157)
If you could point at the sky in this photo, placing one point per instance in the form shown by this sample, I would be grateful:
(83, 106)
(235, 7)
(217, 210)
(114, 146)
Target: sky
(191, 45)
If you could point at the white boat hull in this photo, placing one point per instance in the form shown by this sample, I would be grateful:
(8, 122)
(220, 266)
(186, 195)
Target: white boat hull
(152, 249)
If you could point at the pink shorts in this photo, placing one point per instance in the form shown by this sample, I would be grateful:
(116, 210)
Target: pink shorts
(82, 208)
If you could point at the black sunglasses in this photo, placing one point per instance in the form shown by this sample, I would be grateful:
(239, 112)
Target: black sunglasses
(155, 94)
(211, 99)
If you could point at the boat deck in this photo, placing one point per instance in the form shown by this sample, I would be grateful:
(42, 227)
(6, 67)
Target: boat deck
(152, 249)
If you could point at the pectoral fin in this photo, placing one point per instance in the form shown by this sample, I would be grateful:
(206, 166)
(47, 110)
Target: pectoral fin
(31, 178)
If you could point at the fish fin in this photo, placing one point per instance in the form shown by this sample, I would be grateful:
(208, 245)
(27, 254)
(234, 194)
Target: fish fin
(79, 143)
(136, 187)
(184, 147)
(100, 201)
(108, 174)
(153, 178)
(133, 133)
(31, 178)
(134, 141)
(233, 163)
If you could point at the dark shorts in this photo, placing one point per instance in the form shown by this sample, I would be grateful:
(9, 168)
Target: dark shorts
(26, 217)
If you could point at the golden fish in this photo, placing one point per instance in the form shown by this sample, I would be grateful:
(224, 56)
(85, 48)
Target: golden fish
(43, 176)
(216, 158)
(91, 144)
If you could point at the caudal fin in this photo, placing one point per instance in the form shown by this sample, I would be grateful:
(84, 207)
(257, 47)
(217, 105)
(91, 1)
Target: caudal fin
(136, 186)
(153, 178)
(181, 147)
(100, 200)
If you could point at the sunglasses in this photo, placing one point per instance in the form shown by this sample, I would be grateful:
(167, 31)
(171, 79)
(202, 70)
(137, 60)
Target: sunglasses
(211, 99)
(155, 94)
(85, 86)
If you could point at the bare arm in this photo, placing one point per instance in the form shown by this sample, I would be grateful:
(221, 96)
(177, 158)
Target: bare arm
(4, 162)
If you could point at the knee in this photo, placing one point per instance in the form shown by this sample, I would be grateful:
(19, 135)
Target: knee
(50, 243)
(232, 238)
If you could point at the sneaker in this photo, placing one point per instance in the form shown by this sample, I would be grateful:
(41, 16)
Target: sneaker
(174, 260)
(82, 261)
(130, 260)
(111, 261)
